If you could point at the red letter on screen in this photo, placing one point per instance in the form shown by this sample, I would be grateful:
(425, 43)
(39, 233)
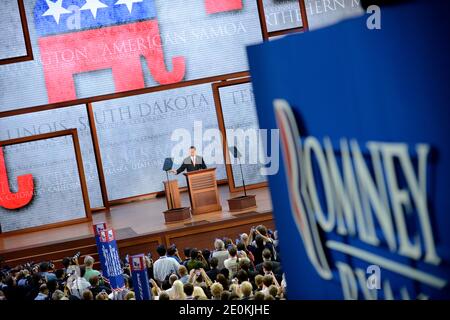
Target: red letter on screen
(215, 6)
(24, 194)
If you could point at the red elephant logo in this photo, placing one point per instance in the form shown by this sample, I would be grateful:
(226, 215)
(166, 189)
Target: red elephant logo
(108, 34)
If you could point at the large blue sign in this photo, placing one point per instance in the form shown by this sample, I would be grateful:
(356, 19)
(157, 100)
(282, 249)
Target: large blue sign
(362, 202)
(110, 253)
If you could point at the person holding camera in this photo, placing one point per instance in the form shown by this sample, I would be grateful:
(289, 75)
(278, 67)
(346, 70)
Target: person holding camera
(197, 260)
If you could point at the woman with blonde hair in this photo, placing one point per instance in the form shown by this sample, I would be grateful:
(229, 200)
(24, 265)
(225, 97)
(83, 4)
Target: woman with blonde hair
(216, 291)
(199, 294)
(178, 291)
(235, 289)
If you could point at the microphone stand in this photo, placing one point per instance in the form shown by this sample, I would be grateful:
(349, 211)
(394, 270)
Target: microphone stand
(242, 175)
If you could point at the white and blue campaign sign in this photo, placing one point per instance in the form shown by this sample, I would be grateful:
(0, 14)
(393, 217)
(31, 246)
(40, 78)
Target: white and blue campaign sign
(140, 278)
(362, 201)
(110, 253)
(97, 229)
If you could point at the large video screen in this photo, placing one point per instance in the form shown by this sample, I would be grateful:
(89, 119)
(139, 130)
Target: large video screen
(57, 189)
(322, 13)
(241, 122)
(12, 42)
(73, 117)
(83, 51)
(282, 14)
(137, 133)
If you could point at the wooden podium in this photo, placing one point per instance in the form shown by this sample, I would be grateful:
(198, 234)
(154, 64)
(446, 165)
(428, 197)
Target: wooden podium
(203, 191)
(175, 212)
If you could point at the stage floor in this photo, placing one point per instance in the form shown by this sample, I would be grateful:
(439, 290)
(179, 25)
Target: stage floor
(132, 219)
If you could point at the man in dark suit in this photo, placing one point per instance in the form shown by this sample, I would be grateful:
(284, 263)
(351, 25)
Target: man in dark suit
(191, 163)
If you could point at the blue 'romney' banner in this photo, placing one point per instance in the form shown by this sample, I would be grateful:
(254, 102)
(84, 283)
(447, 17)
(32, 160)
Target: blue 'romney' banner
(362, 200)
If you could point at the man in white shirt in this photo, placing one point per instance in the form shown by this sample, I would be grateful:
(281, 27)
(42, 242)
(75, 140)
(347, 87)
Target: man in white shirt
(164, 266)
(220, 253)
(232, 262)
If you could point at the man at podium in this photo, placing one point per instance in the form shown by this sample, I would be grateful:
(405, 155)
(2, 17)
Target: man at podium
(191, 163)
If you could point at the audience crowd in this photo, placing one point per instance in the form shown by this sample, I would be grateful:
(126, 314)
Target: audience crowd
(247, 268)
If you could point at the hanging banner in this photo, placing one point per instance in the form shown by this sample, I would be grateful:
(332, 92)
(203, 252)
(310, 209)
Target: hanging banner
(140, 278)
(110, 253)
(362, 201)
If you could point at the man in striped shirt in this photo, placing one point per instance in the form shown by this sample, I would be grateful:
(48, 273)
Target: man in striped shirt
(164, 266)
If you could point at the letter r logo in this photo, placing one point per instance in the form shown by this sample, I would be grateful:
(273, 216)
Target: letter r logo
(24, 194)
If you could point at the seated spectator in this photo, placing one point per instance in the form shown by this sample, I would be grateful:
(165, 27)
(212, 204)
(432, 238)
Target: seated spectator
(245, 265)
(216, 291)
(273, 291)
(267, 282)
(220, 253)
(87, 295)
(172, 278)
(164, 266)
(206, 254)
(242, 276)
(225, 295)
(267, 257)
(228, 242)
(130, 296)
(44, 269)
(89, 265)
(43, 293)
(172, 252)
(11, 291)
(58, 295)
(259, 282)
(187, 256)
(102, 296)
(214, 270)
(246, 290)
(60, 278)
(199, 294)
(96, 287)
(259, 296)
(52, 286)
(164, 296)
(244, 239)
(183, 273)
(189, 290)
(223, 281)
(235, 290)
(225, 272)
